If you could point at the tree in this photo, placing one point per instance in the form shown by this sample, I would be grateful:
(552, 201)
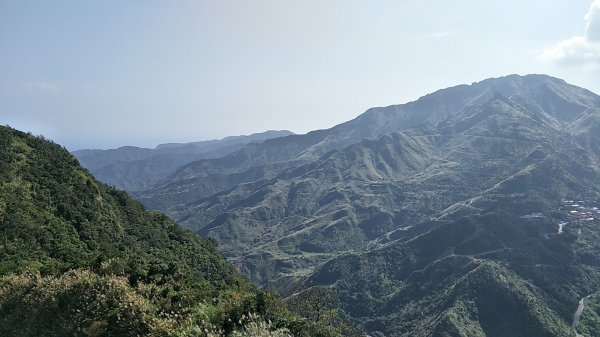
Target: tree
(318, 304)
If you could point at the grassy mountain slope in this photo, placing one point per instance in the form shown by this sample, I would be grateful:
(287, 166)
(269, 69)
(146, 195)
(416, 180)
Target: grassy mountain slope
(350, 199)
(533, 276)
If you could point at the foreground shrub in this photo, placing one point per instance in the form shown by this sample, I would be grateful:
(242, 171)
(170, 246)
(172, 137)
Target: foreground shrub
(79, 303)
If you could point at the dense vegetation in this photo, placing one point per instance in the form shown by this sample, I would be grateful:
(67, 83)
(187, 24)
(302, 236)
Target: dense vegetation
(79, 258)
(589, 324)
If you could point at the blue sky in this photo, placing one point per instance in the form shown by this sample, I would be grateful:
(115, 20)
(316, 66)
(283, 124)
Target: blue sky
(101, 74)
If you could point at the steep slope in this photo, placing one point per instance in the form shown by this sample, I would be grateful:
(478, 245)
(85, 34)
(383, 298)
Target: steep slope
(79, 258)
(485, 269)
(539, 94)
(586, 130)
(433, 284)
(318, 209)
(134, 168)
(56, 217)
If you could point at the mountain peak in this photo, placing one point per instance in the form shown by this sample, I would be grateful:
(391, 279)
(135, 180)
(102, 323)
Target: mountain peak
(535, 92)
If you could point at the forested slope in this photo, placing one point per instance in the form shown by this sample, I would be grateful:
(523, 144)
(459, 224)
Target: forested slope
(79, 258)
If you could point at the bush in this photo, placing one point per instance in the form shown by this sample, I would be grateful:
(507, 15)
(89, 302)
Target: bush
(79, 303)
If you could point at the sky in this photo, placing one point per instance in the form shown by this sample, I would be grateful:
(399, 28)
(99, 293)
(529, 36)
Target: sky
(103, 74)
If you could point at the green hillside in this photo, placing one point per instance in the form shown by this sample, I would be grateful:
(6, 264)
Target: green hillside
(79, 258)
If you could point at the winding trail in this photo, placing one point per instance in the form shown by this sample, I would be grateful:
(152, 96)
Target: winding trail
(577, 315)
(475, 256)
(560, 227)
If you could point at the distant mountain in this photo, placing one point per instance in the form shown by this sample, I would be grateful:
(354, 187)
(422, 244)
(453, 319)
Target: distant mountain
(80, 258)
(535, 93)
(438, 217)
(133, 168)
(350, 197)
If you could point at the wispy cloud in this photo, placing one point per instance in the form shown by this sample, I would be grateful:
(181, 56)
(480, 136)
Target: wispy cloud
(44, 87)
(579, 50)
(438, 35)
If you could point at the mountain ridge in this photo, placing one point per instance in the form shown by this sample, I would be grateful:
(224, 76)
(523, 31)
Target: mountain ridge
(134, 168)
(274, 156)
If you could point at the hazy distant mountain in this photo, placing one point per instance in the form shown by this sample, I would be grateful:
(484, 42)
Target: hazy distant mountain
(536, 93)
(438, 217)
(134, 168)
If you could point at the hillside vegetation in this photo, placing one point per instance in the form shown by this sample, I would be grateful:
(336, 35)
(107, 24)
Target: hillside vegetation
(79, 258)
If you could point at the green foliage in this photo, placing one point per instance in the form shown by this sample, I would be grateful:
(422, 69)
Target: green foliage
(79, 258)
(316, 303)
(83, 303)
(56, 217)
(78, 303)
(589, 323)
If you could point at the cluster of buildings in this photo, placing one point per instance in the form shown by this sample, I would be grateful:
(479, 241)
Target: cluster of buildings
(578, 210)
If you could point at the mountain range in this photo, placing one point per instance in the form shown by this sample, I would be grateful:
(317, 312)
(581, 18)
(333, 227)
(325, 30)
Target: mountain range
(472, 211)
(134, 168)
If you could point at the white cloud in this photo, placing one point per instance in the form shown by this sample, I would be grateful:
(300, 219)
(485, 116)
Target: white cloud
(45, 87)
(581, 50)
(592, 29)
(576, 50)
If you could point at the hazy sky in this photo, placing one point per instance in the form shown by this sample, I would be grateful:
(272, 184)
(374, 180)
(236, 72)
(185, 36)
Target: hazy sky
(99, 74)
